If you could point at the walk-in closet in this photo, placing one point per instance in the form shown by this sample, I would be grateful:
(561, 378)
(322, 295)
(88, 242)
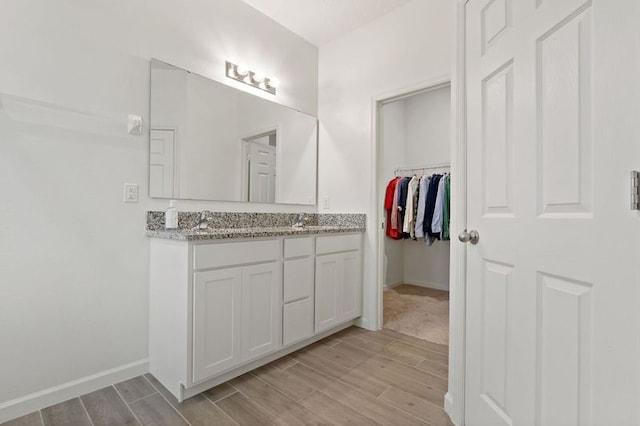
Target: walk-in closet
(414, 188)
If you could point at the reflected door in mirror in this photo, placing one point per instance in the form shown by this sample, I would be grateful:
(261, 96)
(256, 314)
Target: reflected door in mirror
(262, 173)
(161, 163)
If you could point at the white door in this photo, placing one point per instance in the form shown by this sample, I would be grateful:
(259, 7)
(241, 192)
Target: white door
(552, 285)
(262, 173)
(327, 293)
(350, 287)
(217, 299)
(261, 309)
(161, 163)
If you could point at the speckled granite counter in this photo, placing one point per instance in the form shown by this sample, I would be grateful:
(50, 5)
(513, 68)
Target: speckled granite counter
(252, 225)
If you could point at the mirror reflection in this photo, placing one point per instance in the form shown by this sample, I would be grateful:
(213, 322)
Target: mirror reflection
(209, 141)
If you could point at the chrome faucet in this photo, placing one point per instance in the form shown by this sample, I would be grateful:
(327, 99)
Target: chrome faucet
(301, 221)
(203, 221)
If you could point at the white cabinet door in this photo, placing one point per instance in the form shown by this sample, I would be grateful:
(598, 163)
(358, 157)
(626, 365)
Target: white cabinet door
(261, 309)
(338, 289)
(350, 292)
(297, 321)
(328, 276)
(216, 321)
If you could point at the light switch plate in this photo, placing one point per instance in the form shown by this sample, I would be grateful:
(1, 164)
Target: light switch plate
(325, 203)
(130, 192)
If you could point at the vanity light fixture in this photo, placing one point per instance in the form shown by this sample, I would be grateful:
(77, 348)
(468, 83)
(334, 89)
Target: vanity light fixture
(252, 78)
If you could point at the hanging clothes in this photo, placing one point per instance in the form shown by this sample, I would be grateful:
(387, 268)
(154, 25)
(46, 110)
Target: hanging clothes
(411, 211)
(391, 207)
(403, 190)
(430, 205)
(422, 201)
(446, 209)
(394, 207)
(419, 207)
(438, 213)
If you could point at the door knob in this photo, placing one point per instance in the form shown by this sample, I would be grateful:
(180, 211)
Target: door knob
(469, 237)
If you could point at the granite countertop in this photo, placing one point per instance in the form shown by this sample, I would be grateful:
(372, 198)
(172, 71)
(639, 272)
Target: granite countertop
(256, 232)
(227, 225)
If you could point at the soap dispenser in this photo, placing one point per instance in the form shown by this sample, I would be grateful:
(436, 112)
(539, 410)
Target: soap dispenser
(171, 216)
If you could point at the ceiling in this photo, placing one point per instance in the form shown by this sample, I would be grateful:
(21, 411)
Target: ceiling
(320, 21)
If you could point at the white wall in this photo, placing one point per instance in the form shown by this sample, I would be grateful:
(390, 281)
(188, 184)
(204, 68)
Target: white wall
(409, 46)
(392, 154)
(428, 127)
(74, 258)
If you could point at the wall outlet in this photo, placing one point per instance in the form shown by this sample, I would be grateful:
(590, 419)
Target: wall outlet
(325, 203)
(130, 192)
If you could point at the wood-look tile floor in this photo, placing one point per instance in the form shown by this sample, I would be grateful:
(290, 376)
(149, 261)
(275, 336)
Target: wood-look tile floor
(355, 377)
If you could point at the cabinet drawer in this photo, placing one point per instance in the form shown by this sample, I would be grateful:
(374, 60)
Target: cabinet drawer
(337, 243)
(298, 278)
(297, 321)
(294, 247)
(229, 254)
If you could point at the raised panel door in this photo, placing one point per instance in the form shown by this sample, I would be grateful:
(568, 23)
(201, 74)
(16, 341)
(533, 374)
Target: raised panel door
(350, 299)
(261, 309)
(216, 321)
(327, 291)
(552, 111)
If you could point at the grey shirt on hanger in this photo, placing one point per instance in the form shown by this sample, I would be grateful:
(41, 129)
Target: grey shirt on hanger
(422, 199)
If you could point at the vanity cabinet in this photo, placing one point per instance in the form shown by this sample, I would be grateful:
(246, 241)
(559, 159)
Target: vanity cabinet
(298, 293)
(219, 308)
(236, 317)
(338, 280)
(236, 309)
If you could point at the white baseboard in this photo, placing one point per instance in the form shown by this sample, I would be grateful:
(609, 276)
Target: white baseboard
(449, 409)
(392, 285)
(435, 286)
(26, 404)
(365, 323)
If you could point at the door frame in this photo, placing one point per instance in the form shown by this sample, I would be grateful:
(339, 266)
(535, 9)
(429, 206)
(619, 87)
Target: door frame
(176, 158)
(454, 398)
(244, 151)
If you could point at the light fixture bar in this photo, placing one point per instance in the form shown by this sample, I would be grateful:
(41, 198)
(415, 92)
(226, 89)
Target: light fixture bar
(251, 78)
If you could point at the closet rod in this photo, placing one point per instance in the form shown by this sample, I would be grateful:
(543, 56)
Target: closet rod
(422, 167)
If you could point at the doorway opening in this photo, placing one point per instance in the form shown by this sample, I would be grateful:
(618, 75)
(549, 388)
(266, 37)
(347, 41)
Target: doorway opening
(414, 146)
(259, 167)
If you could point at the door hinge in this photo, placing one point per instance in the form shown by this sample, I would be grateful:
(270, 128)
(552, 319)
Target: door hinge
(635, 195)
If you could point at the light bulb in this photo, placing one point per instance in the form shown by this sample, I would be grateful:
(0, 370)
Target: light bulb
(274, 82)
(258, 77)
(242, 70)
